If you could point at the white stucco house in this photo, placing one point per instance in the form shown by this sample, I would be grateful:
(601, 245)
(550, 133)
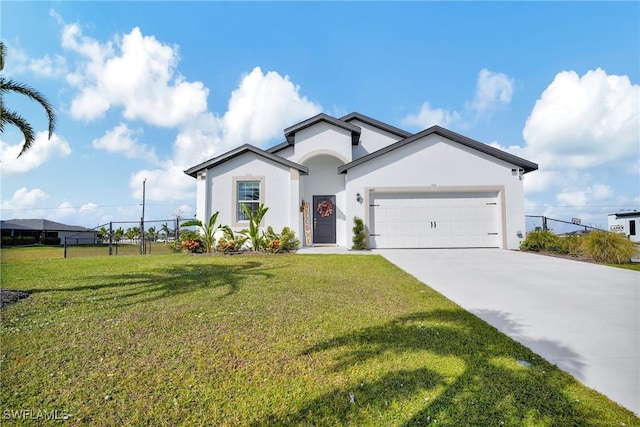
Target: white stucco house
(625, 222)
(432, 189)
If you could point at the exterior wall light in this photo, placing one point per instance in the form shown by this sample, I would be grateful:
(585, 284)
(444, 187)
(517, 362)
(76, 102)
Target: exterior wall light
(359, 198)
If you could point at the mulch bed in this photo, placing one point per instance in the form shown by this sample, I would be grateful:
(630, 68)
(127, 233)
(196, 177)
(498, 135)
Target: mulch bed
(8, 297)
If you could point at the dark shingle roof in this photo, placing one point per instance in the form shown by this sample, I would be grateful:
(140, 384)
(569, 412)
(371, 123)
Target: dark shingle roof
(376, 123)
(193, 171)
(463, 140)
(39, 225)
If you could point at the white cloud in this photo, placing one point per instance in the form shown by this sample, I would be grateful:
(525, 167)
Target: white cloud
(492, 90)
(165, 184)
(540, 181)
(20, 63)
(427, 117)
(582, 122)
(134, 72)
(42, 150)
(24, 198)
(262, 106)
(124, 141)
(88, 208)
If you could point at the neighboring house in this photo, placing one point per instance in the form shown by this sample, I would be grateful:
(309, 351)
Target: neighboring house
(625, 222)
(432, 189)
(43, 230)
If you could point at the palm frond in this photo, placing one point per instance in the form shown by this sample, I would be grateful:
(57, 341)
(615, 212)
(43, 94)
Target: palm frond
(3, 53)
(11, 117)
(31, 93)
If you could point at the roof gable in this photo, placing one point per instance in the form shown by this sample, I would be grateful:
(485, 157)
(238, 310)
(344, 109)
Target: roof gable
(290, 132)
(455, 137)
(246, 148)
(376, 123)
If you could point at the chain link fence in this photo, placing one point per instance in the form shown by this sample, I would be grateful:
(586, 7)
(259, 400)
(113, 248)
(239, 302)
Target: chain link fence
(124, 238)
(557, 226)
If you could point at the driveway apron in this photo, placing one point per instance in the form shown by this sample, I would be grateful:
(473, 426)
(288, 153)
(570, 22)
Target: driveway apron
(582, 317)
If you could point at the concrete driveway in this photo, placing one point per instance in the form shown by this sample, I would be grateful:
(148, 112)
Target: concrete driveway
(585, 318)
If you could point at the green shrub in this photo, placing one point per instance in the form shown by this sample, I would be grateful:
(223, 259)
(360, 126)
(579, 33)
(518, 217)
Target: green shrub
(283, 242)
(540, 240)
(230, 242)
(190, 241)
(359, 238)
(51, 241)
(606, 247)
(18, 241)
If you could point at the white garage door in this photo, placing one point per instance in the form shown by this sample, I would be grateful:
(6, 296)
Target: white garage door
(428, 220)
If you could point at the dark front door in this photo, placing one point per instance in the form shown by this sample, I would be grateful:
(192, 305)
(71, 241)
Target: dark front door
(324, 219)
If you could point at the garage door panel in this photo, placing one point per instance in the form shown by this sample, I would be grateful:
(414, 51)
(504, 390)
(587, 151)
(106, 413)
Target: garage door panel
(427, 220)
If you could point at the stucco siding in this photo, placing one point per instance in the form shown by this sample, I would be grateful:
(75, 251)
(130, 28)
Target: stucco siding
(435, 163)
(371, 139)
(276, 193)
(322, 138)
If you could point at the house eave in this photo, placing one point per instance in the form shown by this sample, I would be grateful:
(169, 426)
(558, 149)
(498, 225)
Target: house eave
(526, 165)
(290, 132)
(193, 171)
(376, 123)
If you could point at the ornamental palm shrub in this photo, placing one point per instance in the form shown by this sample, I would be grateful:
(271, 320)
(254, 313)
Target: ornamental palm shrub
(253, 232)
(207, 230)
(359, 237)
(611, 248)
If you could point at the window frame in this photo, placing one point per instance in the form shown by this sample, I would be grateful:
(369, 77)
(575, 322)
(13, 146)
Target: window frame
(237, 180)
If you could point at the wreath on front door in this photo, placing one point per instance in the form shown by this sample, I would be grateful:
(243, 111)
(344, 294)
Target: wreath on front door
(325, 209)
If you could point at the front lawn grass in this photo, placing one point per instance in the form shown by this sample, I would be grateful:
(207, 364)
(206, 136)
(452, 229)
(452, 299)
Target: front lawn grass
(266, 340)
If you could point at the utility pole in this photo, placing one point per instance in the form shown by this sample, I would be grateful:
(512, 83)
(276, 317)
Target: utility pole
(143, 247)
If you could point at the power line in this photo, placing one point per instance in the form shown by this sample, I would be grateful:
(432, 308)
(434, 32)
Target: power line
(92, 206)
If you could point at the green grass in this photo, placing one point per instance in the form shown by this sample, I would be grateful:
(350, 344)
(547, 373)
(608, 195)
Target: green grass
(632, 266)
(73, 251)
(266, 340)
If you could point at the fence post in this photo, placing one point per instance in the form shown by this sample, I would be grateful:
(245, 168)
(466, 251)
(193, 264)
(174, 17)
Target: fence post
(110, 238)
(544, 223)
(177, 229)
(142, 248)
(65, 246)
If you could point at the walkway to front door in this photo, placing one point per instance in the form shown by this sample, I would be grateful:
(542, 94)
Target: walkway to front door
(324, 219)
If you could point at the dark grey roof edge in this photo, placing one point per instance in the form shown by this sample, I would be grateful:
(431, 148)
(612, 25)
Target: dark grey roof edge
(193, 171)
(355, 130)
(461, 139)
(376, 123)
(626, 213)
(37, 224)
(278, 147)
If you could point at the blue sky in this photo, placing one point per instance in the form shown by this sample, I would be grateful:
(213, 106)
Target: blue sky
(144, 90)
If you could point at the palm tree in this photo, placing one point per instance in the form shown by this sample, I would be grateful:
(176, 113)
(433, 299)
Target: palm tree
(151, 233)
(103, 234)
(8, 116)
(167, 231)
(118, 234)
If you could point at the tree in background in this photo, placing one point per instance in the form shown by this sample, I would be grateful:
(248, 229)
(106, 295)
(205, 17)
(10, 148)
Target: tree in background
(8, 116)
